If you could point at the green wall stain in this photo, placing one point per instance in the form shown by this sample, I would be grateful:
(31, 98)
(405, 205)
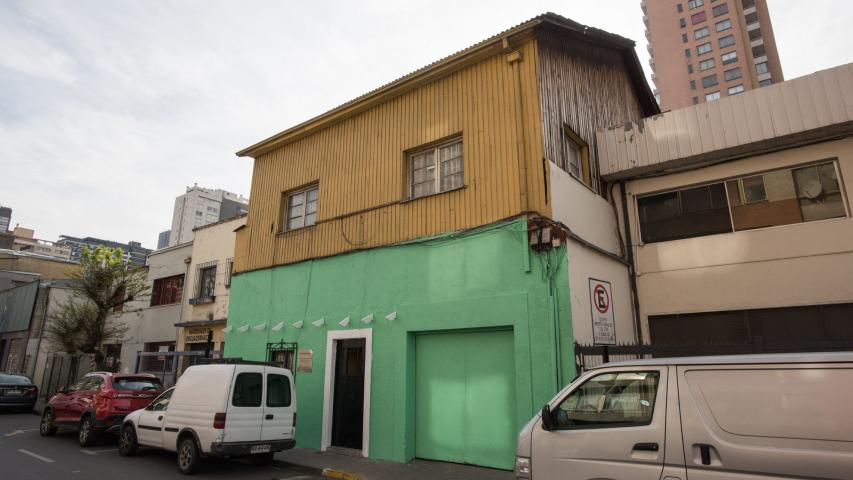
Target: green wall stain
(458, 282)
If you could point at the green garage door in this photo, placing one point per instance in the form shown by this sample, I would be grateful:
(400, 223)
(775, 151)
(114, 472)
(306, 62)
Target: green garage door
(465, 398)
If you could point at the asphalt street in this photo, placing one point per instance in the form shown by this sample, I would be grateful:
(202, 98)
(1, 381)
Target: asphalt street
(24, 454)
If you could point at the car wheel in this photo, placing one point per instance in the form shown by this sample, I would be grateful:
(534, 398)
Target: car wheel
(87, 434)
(188, 455)
(127, 443)
(46, 427)
(261, 458)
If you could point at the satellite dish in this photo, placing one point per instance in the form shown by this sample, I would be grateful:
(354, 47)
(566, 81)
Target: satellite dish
(813, 189)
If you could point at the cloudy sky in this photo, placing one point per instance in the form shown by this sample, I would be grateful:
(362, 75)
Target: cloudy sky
(109, 109)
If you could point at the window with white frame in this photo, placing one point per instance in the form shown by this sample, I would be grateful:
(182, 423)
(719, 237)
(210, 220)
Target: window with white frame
(575, 159)
(730, 57)
(723, 25)
(706, 64)
(736, 89)
(701, 33)
(300, 208)
(712, 96)
(436, 169)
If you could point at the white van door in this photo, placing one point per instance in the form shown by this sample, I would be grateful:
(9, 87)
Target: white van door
(610, 425)
(244, 415)
(767, 421)
(149, 427)
(279, 405)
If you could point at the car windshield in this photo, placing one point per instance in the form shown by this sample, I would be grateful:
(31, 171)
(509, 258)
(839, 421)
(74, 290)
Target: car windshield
(137, 384)
(14, 379)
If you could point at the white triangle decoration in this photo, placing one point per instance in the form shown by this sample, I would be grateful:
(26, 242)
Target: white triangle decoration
(344, 322)
(319, 322)
(227, 329)
(244, 328)
(298, 324)
(278, 326)
(391, 316)
(260, 326)
(367, 319)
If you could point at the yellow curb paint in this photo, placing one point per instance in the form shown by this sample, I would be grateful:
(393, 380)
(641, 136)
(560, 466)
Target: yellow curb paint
(331, 473)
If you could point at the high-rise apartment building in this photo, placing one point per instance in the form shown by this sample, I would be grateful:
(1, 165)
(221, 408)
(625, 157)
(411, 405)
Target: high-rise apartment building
(134, 252)
(5, 219)
(163, 239)
(201, 206)
(702, 50)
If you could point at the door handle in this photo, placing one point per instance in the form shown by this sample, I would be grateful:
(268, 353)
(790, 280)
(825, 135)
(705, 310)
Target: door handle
(269, 416)
(646, 447)
(160, 417)
(705, 453)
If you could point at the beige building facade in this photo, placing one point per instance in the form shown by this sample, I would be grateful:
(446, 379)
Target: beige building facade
(742, 231)
(205, 308)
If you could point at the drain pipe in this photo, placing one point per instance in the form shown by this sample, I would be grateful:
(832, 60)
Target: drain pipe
(631, 264)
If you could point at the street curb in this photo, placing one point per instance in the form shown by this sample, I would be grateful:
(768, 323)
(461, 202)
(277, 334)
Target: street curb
(332, 473)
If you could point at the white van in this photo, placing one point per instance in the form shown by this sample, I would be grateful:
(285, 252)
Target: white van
(235, 408)
(733, 417)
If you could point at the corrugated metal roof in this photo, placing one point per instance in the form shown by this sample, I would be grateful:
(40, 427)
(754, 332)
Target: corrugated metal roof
(807, 109)
(596, 35)
(16, 307)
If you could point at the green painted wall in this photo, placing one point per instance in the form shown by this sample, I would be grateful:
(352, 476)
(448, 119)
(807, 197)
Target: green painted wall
(485, 279)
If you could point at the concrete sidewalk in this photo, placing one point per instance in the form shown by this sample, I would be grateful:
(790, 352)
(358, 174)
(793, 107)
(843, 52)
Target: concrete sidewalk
(345, 467)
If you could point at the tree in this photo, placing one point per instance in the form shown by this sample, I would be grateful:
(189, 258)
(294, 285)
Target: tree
(103, 283)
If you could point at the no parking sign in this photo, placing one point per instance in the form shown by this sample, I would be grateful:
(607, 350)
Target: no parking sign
(601, 305)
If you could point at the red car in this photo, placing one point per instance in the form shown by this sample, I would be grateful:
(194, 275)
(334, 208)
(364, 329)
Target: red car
(98, 403)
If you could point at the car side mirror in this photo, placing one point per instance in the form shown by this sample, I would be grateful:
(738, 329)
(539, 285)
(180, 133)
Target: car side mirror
(548, 422)
(64, 389)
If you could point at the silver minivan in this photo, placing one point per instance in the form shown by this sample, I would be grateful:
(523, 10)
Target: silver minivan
(757, 417)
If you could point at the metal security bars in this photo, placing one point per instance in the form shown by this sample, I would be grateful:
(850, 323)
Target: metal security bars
(205, 283)
(283, 354)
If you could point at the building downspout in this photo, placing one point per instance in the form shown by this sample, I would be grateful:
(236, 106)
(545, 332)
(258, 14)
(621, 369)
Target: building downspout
(631, 264)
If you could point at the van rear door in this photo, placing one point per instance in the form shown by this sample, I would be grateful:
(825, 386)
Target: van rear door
(767, 421)
(612, 424)
(279, 405)
(244, 415)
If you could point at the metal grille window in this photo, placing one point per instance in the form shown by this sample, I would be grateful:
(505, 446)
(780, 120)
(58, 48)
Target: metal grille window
(300, 208)
(229, 267)
(701, 33)
(167, 290)
(205, 282)
(704, 48)
(283, 354)
(728, 58)
(436, 169)
(706, 64)
(727, 41)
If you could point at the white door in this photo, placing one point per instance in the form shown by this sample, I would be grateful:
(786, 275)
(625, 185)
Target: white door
(149, 427)
(612, 425)
(279, 405)
(245, 413)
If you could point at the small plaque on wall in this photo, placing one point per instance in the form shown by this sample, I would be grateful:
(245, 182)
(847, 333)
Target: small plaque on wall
(305, 361)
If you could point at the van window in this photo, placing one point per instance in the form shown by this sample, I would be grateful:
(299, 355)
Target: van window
(613, 399)
(247, 390)
(278, 391)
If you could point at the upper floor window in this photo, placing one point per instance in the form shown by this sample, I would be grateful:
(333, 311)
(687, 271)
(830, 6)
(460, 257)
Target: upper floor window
(754, 34)
(167, 290)
(751, 18)
(709, 81)
(679, 8)
(748, 3)
(701, 33)
(229, 270)
(300, 208)
(779, 197)
(710, 97)
(727, 41)
(723, 25)
(682, 23)
(691, 4)
(436, 169)
(728, 58)
(698, 18)
(732, 74)
(703, 49)
(758, 51)
(576, 155)
(761, 68)
(736, 89)
(687, 52)
(721, 9)
(706, 64)
(205, 283)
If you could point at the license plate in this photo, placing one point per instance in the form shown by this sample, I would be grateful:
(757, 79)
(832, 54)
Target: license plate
(259, 449)
(14, 392)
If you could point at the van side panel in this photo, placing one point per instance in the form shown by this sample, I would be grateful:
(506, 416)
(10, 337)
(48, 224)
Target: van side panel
(200, 393)
(767, 421)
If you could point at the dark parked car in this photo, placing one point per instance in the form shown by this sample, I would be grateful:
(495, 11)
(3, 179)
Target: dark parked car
(17, 391)
(98, 403)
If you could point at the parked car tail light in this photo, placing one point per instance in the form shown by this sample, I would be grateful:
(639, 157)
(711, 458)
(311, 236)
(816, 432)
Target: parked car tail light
(32, 391)
(219, 421)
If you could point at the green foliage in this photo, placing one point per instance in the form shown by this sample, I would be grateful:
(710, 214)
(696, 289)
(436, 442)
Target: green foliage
(103, 283)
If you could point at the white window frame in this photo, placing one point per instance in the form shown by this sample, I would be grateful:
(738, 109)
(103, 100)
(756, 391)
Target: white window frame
(739, 88)
(286, 207)
(437, 165)
(731, 55)
(727, 24)
(710, 97)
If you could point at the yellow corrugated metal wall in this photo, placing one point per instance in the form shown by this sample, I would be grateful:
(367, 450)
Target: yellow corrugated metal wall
(360, 165)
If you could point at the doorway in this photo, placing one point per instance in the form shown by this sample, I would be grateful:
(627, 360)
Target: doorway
(348, 402)
(346, 391)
